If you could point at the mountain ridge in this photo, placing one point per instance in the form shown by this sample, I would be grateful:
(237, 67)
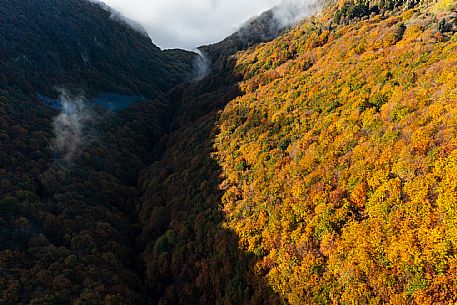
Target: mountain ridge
(38, 42)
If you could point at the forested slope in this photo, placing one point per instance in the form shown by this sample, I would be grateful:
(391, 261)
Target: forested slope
(339, 158)
(73, 229)
(76, 43)
(317, 168)
(68, 227)
(189, 257)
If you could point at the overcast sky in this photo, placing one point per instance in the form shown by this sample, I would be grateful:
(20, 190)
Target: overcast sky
(190, 23)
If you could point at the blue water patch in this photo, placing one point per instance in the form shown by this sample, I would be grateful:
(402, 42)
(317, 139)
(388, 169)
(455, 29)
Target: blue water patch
(110, 101)
(54, 103)
(116, 102)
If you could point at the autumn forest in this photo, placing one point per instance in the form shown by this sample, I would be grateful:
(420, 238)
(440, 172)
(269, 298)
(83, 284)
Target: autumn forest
(313, 165)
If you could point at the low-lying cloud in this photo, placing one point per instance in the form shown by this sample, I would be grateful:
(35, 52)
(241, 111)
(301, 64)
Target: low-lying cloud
(118, 17)
(291, 11)
(201, 64)
(71, 126)
(192, 23)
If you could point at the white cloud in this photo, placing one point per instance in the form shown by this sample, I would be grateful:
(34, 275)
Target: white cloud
(190, 23)
(71, 126)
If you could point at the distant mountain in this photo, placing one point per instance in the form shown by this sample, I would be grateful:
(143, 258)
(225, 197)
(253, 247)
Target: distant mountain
(48, 43)
(265, 27)
(259, 29)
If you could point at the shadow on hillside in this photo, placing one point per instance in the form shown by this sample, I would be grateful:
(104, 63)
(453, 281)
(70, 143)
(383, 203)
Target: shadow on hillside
(189, 257)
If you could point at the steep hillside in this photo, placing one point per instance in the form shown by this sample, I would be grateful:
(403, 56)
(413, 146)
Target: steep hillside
(188, 256)
(260, 29)
(48, 43)
(339, 158)
(265, 27)
(68, 173)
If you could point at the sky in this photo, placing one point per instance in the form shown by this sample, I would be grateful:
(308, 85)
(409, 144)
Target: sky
(189, 24)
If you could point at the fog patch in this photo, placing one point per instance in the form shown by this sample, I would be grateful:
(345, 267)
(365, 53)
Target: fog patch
(71, 126)
(201, 65)
(289, 12)
(118, 17)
